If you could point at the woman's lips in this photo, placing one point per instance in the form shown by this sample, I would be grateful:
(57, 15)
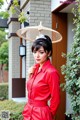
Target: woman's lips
(37, 59)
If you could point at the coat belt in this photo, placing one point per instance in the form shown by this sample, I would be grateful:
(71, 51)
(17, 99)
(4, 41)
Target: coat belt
(37, 103)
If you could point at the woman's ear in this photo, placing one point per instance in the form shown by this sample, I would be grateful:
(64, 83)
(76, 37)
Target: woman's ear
(49, 54)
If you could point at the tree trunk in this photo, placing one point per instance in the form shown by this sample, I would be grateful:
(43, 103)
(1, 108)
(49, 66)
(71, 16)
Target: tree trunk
(1, 72)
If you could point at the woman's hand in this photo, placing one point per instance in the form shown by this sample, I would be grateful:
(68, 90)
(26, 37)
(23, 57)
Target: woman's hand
(31, 71)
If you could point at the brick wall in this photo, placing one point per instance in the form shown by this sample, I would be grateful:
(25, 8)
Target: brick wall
(40, 11)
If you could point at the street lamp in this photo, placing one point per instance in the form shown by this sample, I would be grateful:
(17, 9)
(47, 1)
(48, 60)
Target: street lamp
(22, 50)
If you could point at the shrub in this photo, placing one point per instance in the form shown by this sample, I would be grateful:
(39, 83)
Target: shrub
(72, 68)
(3, 91)
(14, 108)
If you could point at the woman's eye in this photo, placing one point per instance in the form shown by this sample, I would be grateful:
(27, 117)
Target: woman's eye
(41, 52)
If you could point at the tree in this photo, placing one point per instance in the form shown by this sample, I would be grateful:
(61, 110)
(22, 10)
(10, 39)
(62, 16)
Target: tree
(72, 68)
(3, 47)
(2, 35)
(22, 17)
(4, 58)
(1, 3)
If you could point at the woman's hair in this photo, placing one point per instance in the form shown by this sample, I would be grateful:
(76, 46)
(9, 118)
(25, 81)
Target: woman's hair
(44, 42)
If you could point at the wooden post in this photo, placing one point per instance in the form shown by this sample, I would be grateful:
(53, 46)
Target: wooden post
(20, 61)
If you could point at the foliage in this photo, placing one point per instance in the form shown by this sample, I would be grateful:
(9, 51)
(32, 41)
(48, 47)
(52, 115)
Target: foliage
(1, 3)
(3, 91)
(14, 7)
(2, 35)
(4, 14)
(14, 108)
(4, 54)
(22, 17)
(72, 68)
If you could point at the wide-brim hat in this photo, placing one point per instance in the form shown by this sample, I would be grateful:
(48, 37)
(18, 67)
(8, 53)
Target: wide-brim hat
(30, 33)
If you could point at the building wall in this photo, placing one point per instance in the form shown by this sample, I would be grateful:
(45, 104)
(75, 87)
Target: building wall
(69, 45)
(70, 32)
(40, 11)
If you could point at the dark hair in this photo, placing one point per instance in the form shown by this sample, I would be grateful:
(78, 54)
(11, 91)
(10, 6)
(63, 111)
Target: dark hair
(45, 42)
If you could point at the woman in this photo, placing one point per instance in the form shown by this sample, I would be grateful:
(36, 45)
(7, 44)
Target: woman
(43, 83)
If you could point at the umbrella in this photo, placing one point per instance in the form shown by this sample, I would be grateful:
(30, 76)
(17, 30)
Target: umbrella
(30, 33)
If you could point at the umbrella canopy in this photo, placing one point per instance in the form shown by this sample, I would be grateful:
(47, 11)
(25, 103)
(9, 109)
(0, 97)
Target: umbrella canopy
(32, 32)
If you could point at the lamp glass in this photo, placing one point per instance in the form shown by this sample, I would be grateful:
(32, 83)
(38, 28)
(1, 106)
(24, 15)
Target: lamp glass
(22, 50)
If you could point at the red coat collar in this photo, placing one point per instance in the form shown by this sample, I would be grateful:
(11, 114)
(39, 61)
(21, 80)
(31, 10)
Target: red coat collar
(45, 65)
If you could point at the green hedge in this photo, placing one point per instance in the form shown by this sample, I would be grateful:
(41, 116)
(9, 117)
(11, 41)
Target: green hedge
(3, 91)
(15, 109)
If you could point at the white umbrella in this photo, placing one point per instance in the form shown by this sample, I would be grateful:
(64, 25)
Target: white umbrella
(30, 33)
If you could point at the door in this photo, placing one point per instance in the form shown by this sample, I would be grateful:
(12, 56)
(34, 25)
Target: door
(60, 19)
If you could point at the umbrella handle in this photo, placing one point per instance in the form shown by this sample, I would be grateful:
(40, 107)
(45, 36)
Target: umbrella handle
(40, 27)
(40, 23)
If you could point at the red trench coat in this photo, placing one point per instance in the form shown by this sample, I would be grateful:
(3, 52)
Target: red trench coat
(42, 87)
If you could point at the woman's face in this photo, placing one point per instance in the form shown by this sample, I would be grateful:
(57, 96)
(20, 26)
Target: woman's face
(40, 55)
